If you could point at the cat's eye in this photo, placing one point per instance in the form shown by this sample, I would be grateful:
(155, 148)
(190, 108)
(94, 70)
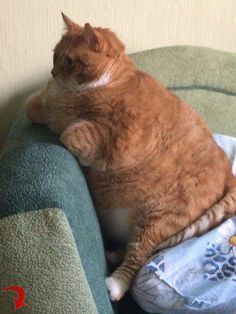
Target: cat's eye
(69, 62)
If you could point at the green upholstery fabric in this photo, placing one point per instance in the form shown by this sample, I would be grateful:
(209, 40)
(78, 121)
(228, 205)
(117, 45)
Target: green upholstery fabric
(203, 77)
(46, 263)
(37, 173)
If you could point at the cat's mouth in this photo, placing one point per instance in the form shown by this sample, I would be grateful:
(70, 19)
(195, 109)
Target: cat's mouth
(71, 85)
(82, 79)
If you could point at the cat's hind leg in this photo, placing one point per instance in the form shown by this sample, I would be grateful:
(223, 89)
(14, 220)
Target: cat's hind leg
(152, 231)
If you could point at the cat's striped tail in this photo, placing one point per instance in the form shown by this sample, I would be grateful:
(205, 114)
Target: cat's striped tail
(224, 209)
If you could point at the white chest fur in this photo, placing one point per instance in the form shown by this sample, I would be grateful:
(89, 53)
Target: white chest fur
(102, 81)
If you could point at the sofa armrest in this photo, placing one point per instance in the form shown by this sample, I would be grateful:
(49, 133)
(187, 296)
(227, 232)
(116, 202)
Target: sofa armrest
(36, 172)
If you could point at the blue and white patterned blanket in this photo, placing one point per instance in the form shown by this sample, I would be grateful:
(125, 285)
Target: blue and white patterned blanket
(196, 276)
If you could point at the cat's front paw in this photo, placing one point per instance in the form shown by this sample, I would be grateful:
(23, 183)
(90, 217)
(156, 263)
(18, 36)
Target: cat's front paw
(77, 138)
(117, 287)
(34, 107)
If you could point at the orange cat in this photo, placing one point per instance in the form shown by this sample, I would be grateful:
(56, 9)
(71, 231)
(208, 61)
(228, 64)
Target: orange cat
(154, 167)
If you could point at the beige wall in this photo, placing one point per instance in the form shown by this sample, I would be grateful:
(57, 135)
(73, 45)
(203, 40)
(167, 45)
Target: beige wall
(29, 29)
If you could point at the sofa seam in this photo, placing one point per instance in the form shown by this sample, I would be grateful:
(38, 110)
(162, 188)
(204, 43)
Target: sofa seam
(202, 87)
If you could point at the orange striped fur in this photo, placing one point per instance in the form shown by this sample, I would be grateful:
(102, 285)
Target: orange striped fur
(154, 167)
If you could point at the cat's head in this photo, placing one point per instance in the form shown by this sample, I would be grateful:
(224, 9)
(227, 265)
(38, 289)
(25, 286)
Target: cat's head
(86, 56)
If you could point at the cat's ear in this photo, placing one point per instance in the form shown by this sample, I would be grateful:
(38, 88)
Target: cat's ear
(91, 37)
(70, 25)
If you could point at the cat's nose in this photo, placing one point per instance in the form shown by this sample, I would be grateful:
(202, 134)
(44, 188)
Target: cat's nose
(53, 73)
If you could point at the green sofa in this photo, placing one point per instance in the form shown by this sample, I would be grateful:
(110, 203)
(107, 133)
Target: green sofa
(50, 239)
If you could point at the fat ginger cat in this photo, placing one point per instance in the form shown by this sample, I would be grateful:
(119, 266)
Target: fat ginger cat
(155, 173)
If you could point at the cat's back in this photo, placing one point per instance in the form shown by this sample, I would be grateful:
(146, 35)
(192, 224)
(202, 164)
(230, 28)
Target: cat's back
(154, 105)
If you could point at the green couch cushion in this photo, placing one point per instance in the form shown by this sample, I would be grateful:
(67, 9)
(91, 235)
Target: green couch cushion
(36, 172)
(205, 78)
(38, 253)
